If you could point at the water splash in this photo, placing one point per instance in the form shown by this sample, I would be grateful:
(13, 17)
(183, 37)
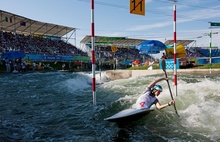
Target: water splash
(58, 107)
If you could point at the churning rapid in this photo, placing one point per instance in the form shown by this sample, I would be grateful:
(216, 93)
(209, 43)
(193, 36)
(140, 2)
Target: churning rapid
(58, 106)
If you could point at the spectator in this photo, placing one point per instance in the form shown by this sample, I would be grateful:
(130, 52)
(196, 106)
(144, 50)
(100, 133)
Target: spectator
(63, 66)
(7, 64)
(164, 56)
(33, 66)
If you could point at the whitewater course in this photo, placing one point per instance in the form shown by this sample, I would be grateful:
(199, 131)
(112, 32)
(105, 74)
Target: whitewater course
(58, 107)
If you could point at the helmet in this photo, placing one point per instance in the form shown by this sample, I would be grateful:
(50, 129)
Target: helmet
(158, 87)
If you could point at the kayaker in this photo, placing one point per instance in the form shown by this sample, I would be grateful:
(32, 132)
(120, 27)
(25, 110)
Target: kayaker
(149, 96)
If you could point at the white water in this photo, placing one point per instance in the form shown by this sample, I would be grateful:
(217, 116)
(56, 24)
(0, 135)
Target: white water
(198, 101)
(32, 104)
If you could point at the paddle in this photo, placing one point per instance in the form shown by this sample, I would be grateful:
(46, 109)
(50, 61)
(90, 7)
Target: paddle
(164, 69)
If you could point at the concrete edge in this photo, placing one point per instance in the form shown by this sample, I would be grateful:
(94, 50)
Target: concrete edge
(125, 74)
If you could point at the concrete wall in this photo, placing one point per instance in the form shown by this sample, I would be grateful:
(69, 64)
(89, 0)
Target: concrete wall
(124, 74)
(119, 74)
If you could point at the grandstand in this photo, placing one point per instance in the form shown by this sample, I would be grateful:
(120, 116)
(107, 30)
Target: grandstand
(182, 42)
(196, 51)
(125, 48)
(35, 37)
(120, 48)
(42, 41)
(205, 52)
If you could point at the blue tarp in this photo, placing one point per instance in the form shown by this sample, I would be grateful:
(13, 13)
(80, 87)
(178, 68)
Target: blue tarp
(150, 47)
(13, 55)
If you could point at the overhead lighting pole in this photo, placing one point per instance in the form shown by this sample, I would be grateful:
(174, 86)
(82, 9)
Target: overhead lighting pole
(210, 47)
(210, 52)
(212, 25)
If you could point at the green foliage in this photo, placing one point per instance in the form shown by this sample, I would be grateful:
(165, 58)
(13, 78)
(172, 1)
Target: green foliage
(143, 67)
(207, 66)
(155, 66)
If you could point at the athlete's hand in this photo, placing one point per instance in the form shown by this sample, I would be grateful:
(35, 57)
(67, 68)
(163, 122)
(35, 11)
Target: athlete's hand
(172, 102)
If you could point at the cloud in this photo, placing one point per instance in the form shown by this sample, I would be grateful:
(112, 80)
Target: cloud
(194, 2)
(149, 26)
(196, 15)
(182, 17)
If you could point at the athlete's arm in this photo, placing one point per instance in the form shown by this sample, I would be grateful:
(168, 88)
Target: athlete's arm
(159, 106)
(155, 81)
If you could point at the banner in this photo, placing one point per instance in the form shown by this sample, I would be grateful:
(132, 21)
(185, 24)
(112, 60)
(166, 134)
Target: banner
(203, 61)
(54, 58)
(170, 64)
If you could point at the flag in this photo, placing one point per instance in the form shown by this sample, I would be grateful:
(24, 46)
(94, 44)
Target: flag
(22, 23)
(8, 19)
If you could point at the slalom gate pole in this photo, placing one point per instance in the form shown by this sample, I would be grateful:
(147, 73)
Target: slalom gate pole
(93, 52)
(210, 52)
(174, 44)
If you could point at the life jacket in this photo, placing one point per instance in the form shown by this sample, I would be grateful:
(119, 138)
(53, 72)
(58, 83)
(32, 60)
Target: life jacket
(146, 100)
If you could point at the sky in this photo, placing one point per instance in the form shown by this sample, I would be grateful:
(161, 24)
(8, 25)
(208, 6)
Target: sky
(113, 18)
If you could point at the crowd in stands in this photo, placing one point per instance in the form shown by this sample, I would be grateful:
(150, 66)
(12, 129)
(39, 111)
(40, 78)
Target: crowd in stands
(39, 45)
(46, 46)
(191, 53)
(206, 53)
(121, 53)
(202, 52)
(36, 45)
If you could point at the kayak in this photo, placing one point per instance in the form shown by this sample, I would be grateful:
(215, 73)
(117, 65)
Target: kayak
(128, 115)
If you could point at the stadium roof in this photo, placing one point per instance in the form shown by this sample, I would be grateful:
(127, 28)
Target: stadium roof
(15, 23)
(124, 41)
(116, 41)
(183, 42)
